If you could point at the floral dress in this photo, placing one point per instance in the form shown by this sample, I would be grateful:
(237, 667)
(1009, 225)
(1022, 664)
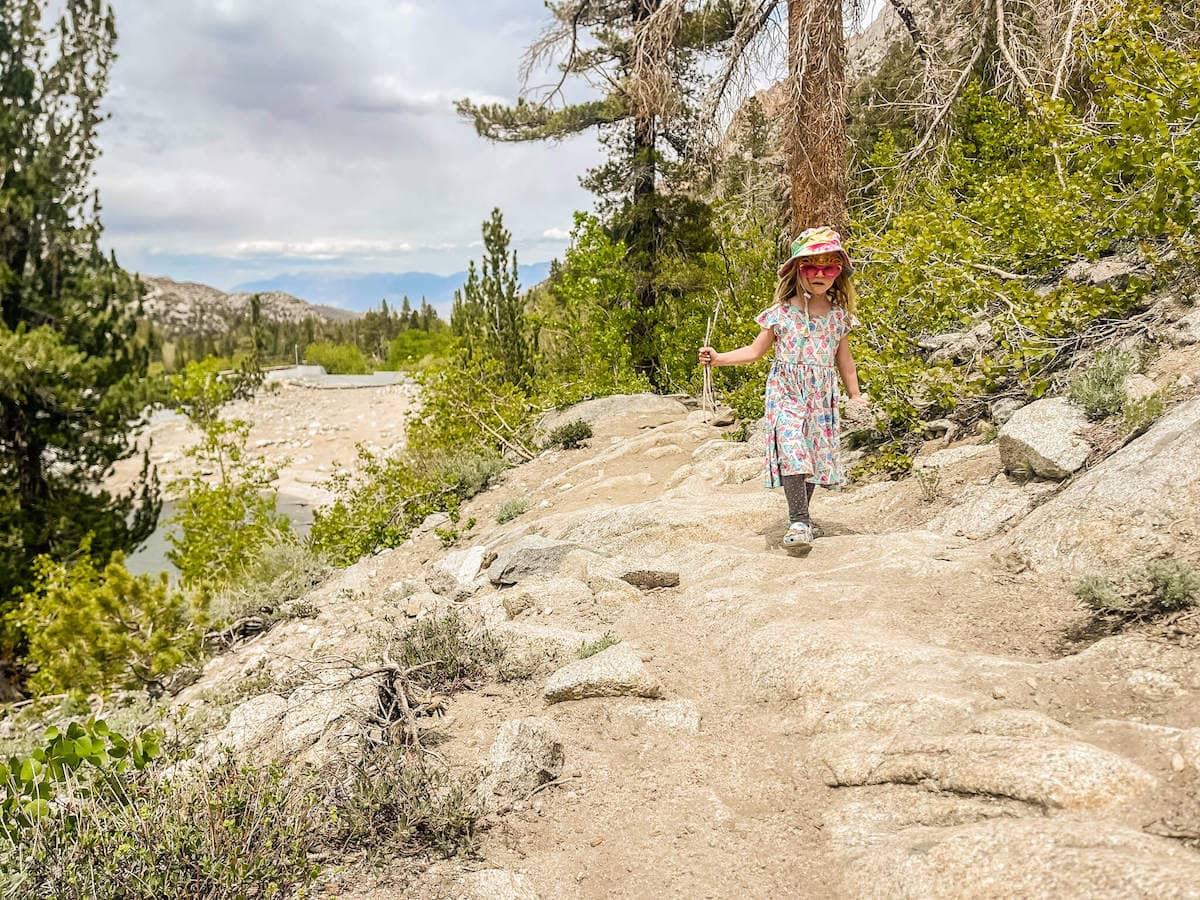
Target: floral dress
(802, 394)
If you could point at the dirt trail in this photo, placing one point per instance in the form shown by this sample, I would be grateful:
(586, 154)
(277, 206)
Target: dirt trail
(894, 715)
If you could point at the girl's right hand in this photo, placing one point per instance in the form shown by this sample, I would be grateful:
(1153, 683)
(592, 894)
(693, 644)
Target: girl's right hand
(709, 357)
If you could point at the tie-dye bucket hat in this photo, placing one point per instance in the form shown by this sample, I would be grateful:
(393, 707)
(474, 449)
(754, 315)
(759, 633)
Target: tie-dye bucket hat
(815, 242)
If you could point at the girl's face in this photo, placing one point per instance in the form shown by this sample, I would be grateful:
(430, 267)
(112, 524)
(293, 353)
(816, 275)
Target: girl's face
(818, 273)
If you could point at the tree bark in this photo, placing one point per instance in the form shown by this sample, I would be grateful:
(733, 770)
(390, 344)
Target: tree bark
(817, 141)
(643, 238)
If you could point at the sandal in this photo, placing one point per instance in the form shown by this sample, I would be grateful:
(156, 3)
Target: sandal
(799, 537)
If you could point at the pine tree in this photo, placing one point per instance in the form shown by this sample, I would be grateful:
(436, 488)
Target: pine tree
(647, 53)
(488, 316)
(72, 367)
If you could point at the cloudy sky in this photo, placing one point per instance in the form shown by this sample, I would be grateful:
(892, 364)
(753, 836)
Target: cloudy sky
(254, 137)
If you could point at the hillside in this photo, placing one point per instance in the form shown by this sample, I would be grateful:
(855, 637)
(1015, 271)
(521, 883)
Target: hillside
(919, 704)
(185, 306)
(362, 291)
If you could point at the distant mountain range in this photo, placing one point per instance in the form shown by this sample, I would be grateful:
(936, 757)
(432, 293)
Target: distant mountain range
(360, 292)
(180, 307)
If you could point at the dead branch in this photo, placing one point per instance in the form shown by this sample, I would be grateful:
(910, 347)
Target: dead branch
(1068, 40)
(910, 25)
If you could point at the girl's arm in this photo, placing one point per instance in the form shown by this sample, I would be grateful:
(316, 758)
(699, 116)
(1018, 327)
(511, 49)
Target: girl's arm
(748, 354)
(849, 372)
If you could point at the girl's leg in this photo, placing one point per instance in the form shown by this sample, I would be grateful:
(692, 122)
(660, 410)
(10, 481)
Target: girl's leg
(798, 492)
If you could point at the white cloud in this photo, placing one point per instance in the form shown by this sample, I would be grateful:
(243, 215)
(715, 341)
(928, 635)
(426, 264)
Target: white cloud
(556, 234)
(322, 131)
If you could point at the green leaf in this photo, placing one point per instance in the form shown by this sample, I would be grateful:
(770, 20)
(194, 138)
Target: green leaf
(36, 809)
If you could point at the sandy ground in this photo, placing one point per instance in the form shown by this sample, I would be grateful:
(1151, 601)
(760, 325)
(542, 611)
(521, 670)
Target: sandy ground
(306, 431)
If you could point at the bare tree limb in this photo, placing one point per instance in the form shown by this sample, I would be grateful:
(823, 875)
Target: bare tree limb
(1068, 40)
(1002, 43)
(914, 30)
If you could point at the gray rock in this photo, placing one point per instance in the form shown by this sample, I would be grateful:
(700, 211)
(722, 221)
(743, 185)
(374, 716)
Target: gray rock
(1187, 329)
(432, 521)
(455, 575)
(983, 511)
(651, 578)
(1104, 271)
(642, 410)
(615, 672)
(1053, 773)
(1043, 436)
(543, 592)
(1141, 502)
(954, 456)
(531, 556)
(546, 638)
(1002, 410)
(1027, 858)
(1139, 387)
(526, 754)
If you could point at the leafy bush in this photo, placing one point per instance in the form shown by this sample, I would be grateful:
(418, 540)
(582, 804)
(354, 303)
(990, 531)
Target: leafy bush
(29, 794)
(444, 655)
(268, 586)
(570, 436)
(381, 501)
(394, 805)
(1100, 388)
(1162, 587)
(1137, 415)
(222, 526)
(222, 831)
(337, 359)
(510, 509)
(415, 349)
(91, 629)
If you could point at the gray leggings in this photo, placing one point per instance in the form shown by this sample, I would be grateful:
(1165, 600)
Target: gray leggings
(799, 494)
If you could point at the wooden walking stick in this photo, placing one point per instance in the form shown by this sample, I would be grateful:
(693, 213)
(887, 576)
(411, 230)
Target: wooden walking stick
(708, 402)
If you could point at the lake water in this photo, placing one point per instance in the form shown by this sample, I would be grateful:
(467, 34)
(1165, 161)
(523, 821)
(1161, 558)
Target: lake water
(151, 557)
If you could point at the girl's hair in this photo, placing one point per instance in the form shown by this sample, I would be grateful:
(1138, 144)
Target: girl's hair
(841, 293)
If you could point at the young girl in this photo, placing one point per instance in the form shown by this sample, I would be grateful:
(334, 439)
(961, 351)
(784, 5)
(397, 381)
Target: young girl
(808, 323)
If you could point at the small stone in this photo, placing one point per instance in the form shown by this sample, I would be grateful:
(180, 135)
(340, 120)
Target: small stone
(651, 578)
(999, 693)
(1178, 763)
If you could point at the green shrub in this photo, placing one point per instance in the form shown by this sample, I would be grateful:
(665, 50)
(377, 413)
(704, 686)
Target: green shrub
(1164, 586)
(603, 643)
(337, 359)
(395, 805)
(269, 585)
(381, 501)
(1137, 415)
(444, 655)
(1100, 388)
(510, 509)
(414, 349)
(1100, 594)
(220, 831)
(222, 525)
(1173, 585)
(569, 436)
(72, 758)
(91, 629)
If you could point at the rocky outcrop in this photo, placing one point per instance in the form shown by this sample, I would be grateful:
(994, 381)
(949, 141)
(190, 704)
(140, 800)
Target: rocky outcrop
(1142, 502)
(1043, 437)
(615, 672)
(632, 410)
(526, 754)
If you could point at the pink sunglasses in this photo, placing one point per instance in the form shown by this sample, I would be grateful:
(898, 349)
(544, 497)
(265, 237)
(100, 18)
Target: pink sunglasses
(810, 270)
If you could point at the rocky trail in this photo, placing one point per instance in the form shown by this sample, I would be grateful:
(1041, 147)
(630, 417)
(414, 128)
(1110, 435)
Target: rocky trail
(901, 713)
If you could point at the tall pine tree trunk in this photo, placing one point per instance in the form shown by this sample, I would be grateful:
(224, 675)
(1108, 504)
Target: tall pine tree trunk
(817, 141)
(643, 236)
